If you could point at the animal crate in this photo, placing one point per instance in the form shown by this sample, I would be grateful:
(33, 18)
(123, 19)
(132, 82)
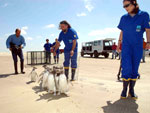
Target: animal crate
(36, 57)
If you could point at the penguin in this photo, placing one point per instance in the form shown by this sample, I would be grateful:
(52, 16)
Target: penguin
(51, 81)
(33, 75)
(44, 78)
(62, 82)
(42, 73)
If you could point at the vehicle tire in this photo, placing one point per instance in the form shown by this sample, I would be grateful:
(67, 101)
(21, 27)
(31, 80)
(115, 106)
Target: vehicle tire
(96, 54)
(91, 55)
(82, 54)
(106, 55)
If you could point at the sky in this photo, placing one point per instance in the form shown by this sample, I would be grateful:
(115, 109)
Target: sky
(39, 19)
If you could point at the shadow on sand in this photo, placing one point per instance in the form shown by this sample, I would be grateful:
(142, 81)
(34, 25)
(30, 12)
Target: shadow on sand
(6, 75)
(47, 96)
(121, 106)
(38, 89)
(50, 97)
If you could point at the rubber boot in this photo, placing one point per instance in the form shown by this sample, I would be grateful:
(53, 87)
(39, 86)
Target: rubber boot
(22, 67)
(15, 67)
(125, 88)
(131, 90)
(67, 73)
(73, 74)
(55, 61)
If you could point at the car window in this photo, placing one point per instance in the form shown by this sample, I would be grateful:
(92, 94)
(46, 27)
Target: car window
(99, 42)
(107, 44)
(95, 43)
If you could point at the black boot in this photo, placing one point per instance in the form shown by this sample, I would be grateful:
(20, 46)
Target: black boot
(22, 67)
(73, 74)
(57, 61)
(15, 67)
(131, 90)
(125, 88)
(67, 73)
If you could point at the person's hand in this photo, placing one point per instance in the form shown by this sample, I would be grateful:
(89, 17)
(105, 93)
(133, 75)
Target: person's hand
(71, 53)
(20, 47)
(148, 46)
(118, 48)
(10, 49)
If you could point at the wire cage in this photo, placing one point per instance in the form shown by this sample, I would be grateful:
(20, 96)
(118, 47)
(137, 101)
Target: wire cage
(36, 57)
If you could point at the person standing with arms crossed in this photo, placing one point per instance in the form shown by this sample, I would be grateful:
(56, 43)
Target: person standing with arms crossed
(132, 26)
(15, 43)
(69, 37)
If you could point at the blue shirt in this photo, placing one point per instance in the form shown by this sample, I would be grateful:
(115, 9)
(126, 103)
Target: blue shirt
(57, 51)
(68, 38)
(134, 27)
(15, 40)
(48, 46)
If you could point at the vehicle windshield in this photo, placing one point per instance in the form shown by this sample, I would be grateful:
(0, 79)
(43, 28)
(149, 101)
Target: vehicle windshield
(108, 43)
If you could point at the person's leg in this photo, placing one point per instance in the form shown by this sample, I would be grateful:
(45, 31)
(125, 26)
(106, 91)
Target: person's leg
(20, 54)
(73, 65)
(66, 63)
(112, 54)
(14, 56)
(49, 57)
(57, 58)
(137, 55)
(126, 68)
(143, 55)
(115, 54)
(46, 56)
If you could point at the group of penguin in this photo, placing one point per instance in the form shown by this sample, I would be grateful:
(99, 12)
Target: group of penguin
(51, 79)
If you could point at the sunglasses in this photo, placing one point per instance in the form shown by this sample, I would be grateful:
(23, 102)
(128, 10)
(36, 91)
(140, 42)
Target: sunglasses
(125, 6)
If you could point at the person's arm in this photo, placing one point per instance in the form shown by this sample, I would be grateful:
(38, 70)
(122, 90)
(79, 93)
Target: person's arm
(57, 45)
(74, 38)
(120, 40)
(73, 47)
(146, 25)
(23, 43)
(8, 43)
(148, 38)
(44, 47)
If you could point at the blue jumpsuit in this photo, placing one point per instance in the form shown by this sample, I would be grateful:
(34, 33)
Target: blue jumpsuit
(68, 38)
(132, 44)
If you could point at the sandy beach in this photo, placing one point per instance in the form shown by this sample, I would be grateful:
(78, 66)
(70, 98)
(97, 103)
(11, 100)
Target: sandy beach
(96, 90)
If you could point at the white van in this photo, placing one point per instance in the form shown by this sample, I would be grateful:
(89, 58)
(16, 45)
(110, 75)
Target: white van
(97, 47)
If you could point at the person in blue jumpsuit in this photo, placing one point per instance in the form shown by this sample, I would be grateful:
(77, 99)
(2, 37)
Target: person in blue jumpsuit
(69, 37)
(15, 43)
(132, 26)
(56, 57)
(47, 48)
